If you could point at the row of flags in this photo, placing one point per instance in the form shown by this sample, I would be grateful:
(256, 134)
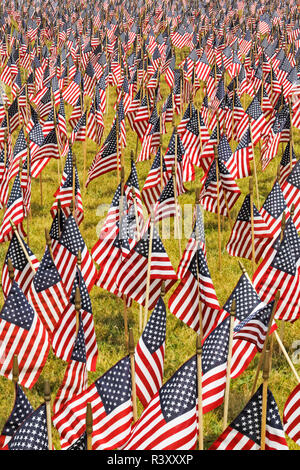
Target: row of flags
(244, 60)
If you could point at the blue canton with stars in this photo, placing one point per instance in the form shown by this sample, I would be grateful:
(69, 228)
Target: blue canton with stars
(17, 309)
(71, 237)
(114, 387)
(47, 274)
(16, 254)
(22, 408)
(248, 422)
(154, 334)
(215, 347)
(32, 435)
(246, 298)
(275, 203)
(178, 395)
(79, 349)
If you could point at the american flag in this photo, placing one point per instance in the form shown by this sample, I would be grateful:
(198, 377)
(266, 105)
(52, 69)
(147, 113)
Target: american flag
(48, 149)
(65, 256)
(287, 162)
(110, 398)
(32, 434)
(22, 333)
(195, 137)
(155, 182)
(107, 158)
(240, 241)
(132, 276)
(242, 157)
(291, 416)
(214, 366)
(170, 420)
(248, 303)
(150, 353)
(65, 191)
(280, 271)
(64, 335)
(20, 411)
(20, 153)
(75, 379)
(166, 205)
(23, 272)
(47, 293)
(272, 211)
(290, 190)
(14, 211)
(244, 433)
(72, 92)
(228, 189)
(254, 328)
(196, 289)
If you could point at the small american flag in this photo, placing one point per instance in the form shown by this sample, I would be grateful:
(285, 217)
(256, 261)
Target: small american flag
(23, 272)
(149, 355)
(244, 433)
(75, 379)
(65, 256)
(64, 335)
(47, 293)
(174, 408)
(32, 434)
(110, 398)
(22, 333)
(132, 276)
(21, 410)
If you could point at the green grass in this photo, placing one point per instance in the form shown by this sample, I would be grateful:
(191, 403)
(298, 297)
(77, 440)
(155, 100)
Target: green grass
(108, 309)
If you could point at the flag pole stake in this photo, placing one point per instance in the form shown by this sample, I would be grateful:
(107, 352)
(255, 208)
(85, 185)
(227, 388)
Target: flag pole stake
(47, 397)
(227, 387)
(199, 391)
(260, 362)
(266, 374)
(131, 349)
(89, 426)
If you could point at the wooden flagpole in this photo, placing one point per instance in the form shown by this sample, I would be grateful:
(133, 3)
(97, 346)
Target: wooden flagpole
(227, 387)
(59, 216)
(260, 362)
(252, 223)
(199, 391)
(77, 303)
(149, 268)
(266, 373)
(47, 397)
(89, 426)
(131, 349)
(15, 370)
(218, 207)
